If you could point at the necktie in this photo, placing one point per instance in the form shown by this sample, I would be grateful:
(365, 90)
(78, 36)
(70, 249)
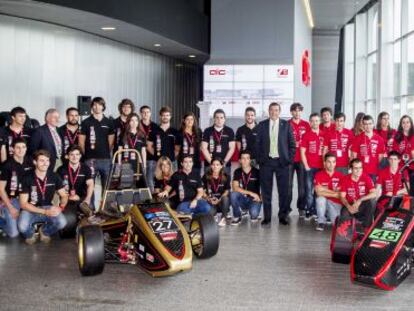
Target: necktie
(273, 143)
(57, 141)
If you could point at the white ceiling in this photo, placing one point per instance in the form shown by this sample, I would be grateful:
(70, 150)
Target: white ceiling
(333, 14)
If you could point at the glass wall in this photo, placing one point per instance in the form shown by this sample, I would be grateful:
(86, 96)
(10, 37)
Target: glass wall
(379, 60)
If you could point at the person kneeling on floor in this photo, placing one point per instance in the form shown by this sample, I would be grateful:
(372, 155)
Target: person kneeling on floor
(12, 173)
(217, 188)
(357, 192)
(327, 193)
(246, 190)
(38, 189)
(77, 181)
(188, 188)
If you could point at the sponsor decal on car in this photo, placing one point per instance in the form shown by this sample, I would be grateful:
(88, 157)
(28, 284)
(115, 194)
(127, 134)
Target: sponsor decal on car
(149, 216)
(149, 257)
(141, 248)
(168, 236)
(378, 244)
(393, 223)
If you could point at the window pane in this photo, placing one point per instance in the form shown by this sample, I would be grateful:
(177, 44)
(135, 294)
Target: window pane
(372, 77)
(397, 68)
(397, 19)
(370, 107)
(372, 28)
(410, 105)
(396, 112)
(410, 65)
(410, 15)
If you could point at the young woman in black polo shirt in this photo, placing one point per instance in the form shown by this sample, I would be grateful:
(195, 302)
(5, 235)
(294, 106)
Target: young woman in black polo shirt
(189, 138)
(217, 189)
(162, 177)
(133, 138)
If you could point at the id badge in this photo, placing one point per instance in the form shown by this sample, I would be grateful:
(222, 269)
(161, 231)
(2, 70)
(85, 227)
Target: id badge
(339, 153)
(133, 156)
(218, 148)
(191, 150)
(366, 159)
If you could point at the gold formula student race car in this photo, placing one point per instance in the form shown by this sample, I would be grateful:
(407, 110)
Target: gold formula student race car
(132, 227)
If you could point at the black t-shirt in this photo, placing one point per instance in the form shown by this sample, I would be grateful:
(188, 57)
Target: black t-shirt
(250, 181)
(218, 142)
(216, 187)
(161, 183)
(96, 133)
(164, 142)
(132, 141)
(75, 179)
(34, 187)
(247, 138)
(147, 131)
(119, 128)
(13, 173)
(10, 136)
(68, 137)
(190, 145)
(190, 183)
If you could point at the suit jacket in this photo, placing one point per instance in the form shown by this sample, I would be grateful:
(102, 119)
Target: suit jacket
(286, 142)
(42, 139)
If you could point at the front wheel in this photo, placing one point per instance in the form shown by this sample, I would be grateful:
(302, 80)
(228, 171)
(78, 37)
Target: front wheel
(91, 251)
(204, 236)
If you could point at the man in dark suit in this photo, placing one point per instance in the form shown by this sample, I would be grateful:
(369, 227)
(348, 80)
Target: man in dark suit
(47, 138)
(275, 151)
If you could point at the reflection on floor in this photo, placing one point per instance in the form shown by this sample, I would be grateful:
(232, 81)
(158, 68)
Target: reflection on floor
(276, 268)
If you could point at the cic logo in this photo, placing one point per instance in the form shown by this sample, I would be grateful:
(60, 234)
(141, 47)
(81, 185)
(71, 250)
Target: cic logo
(217, 72)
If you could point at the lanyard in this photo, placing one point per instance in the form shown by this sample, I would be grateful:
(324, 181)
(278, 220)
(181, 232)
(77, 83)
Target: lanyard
(147, 129)
(246, 182)
(132, 143)
(215, 186)
(217, 136)
(17, 135)
(71, 179)
(71, 138)
(190, 138)
(41, 186)
(339, 140)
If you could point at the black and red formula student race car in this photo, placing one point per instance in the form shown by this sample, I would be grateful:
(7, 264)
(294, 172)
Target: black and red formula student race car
(134, 228)
(381, 255)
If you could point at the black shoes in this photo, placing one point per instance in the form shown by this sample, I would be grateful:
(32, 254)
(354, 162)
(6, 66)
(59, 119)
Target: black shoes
(284, 221)
(266, 222)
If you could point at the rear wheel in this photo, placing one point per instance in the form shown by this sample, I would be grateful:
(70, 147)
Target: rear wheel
(91, 252)
(204, 236)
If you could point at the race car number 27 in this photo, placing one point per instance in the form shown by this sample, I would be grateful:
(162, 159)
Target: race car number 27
(164, 225)
(385, 235)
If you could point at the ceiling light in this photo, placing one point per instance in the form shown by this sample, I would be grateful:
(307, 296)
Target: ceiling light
(192, 56)
(108, 28)
(309, 13)
(157, 45)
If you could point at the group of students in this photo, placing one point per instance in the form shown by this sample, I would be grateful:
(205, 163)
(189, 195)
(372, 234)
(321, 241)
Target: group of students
(47, 169)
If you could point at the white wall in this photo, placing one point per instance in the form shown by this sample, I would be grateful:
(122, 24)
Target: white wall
(302, 42)
(325, 66)
(43, 66)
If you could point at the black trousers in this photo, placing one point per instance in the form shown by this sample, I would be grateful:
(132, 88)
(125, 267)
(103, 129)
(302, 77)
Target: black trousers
(300, 174)
(267, 170)
(365, 213)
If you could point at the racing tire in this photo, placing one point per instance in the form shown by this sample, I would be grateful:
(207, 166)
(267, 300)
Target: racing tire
(71, 216)
(91, 251)
(204, 235)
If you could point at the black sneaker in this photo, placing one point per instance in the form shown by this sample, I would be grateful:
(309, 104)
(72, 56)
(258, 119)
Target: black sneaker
(320, 227)
(301, 213)
(244, 213)
(236, 221)
(308, 216)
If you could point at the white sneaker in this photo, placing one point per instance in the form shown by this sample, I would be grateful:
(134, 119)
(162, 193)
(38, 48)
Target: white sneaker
(222, 222)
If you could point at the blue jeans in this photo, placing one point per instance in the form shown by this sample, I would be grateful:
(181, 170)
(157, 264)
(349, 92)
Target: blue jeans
(202, 207)
(101, 167)
(310, 189)
(241, 202)
(151, 165)
(322, 205)
(51, 226)
(7, 222)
